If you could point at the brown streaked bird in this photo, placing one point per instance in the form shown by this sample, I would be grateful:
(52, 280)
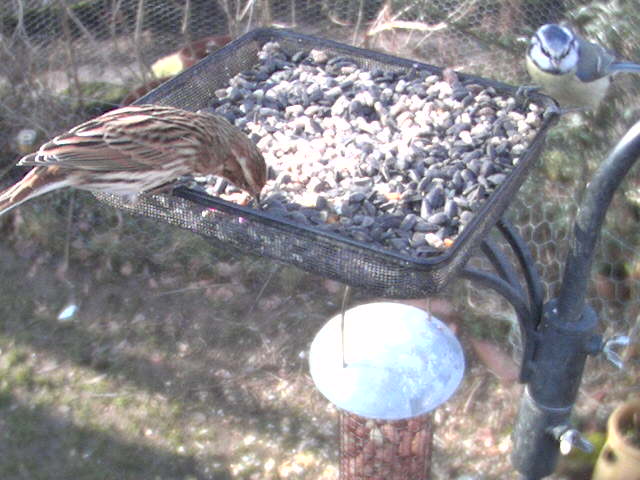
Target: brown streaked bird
(140, 149)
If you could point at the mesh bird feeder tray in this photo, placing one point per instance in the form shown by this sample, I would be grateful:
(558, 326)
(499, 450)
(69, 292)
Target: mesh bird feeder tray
(385, 271)
(385, 449)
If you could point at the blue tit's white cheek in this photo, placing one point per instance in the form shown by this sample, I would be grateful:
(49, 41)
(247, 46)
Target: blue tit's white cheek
(540, 59)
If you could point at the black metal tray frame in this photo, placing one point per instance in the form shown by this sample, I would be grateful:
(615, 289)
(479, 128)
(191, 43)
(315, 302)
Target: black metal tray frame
(381, 271)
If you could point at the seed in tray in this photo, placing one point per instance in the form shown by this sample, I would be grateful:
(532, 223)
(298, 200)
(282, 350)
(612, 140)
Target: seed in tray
(401, 159)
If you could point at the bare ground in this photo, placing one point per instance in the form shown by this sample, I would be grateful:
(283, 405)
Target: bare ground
(186, 361)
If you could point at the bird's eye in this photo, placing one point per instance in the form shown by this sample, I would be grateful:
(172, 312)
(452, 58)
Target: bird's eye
(573, 45)
(567, 50)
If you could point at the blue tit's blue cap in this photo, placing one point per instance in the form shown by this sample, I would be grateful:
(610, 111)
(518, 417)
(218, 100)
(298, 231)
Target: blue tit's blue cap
(555, 36)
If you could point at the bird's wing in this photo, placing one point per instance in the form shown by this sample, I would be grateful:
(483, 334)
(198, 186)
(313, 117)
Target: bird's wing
(595, 61)
(127, 139)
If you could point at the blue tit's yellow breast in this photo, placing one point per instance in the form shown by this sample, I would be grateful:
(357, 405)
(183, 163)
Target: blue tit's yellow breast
(567, 89)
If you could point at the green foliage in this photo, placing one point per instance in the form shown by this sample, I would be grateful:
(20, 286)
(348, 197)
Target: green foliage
(579, 464)
(95, 98)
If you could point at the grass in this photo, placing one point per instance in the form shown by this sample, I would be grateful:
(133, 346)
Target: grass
(151, 379)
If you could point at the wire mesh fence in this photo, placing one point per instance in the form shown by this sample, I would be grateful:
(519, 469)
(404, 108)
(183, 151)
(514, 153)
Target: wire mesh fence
(63, 61)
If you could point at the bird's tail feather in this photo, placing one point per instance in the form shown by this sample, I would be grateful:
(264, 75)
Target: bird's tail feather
(38, 181)
(625, 67)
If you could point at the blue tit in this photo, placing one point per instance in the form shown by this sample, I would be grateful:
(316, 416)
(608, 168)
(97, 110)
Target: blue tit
(575, 72)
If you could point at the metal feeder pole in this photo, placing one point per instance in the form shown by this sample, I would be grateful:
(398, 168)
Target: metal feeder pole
(568, 331)
(557, 336)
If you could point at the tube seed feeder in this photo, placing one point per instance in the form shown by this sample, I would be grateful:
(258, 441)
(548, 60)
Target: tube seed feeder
(386, 366)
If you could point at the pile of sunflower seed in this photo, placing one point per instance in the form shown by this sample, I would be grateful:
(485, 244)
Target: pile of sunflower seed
(399, 159)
